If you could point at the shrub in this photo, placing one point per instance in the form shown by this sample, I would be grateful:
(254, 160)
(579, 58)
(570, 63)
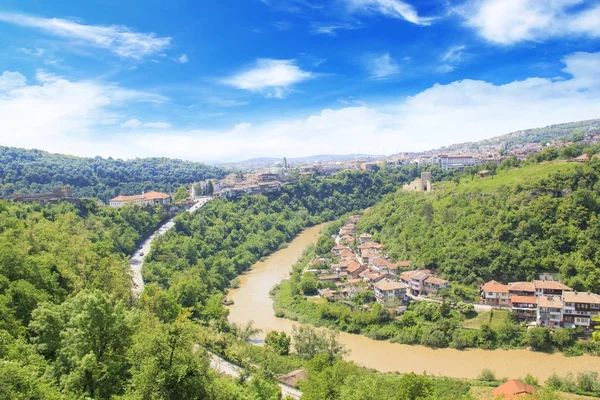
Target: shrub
(563, 337)
(487, 375)
(409, 335)
(538, 338)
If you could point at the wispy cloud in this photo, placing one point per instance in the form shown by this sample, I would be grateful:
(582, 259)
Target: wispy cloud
(31, 52)
(135, 123)
(391, 8)
(331, 28)
(272, 77)
(511, 21)
(283, 25)
(225, 103)
(451, 58)
(182, 59)
(118, 39)
(382, 66)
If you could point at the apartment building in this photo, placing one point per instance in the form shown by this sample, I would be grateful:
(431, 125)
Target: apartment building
(580, 308)
(549, 311)
(525, 307)
(447, 162)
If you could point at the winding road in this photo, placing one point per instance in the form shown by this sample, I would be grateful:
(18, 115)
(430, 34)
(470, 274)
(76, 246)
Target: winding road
(136, 263)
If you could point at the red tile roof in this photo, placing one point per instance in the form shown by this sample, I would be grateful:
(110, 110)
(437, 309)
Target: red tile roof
(550, 285)
(513, 389)
(145, 196)
(495, 287)
(521, 287)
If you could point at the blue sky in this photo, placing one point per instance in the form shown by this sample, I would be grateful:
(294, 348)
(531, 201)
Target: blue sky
(235, 79)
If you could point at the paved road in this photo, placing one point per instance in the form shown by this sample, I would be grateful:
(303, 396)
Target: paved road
(137, 259)
(223, 366)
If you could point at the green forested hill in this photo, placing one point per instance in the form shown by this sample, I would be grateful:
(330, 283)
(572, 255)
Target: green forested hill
(38, 171)
(207, 249)
(510, 226)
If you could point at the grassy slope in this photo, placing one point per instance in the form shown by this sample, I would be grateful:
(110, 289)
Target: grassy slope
(498, 319)
(511, 177)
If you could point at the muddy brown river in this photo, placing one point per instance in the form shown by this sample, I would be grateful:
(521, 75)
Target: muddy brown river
(252, 303)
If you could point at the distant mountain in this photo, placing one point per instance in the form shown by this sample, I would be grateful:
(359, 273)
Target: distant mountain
(268, 162)
(34, 171)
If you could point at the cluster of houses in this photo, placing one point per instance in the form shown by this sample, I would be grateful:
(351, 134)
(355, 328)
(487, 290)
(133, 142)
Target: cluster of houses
(545, 302)
(237, 185)
(360, 264)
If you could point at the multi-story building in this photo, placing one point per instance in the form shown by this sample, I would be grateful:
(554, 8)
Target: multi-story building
(580, 308)
(524, 307)
(495, 294)
(390, 293)
(549, 311)
(521, 289)
(433, 284)
(365, 237)
(447, 162)
(144, 199)
(550, 288)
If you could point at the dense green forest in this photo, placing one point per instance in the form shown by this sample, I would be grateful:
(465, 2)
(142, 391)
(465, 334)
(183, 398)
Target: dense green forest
(507, 227)
(33, 171)
(69, 326)
(197, 259)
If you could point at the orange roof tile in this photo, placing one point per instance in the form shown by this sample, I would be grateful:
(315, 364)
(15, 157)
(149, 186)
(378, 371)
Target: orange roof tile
(550, 285)
(513, 389)
(495, 287)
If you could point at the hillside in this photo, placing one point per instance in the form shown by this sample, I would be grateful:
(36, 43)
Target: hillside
(34, 171)
(570, 131)
(506, 227)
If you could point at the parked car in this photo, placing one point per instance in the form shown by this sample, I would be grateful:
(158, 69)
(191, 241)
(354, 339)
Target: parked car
(141, 253)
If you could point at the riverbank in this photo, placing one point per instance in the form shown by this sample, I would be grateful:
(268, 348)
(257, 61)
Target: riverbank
(253, 303)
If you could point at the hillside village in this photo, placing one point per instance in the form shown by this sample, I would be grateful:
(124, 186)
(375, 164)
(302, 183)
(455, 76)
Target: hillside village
(357, 264)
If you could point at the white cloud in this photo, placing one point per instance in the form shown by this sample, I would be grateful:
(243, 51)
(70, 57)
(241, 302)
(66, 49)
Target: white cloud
(391, 8)
(381, 67)
(182, 59)
(510, 21)
(135, 123)
(59, 114)
(272, 77)
(330, 28)
(225, 102)
(66, 116)
(454, 54)
(31, 52)
(115, 38)
(451, 58)
(11, 80)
